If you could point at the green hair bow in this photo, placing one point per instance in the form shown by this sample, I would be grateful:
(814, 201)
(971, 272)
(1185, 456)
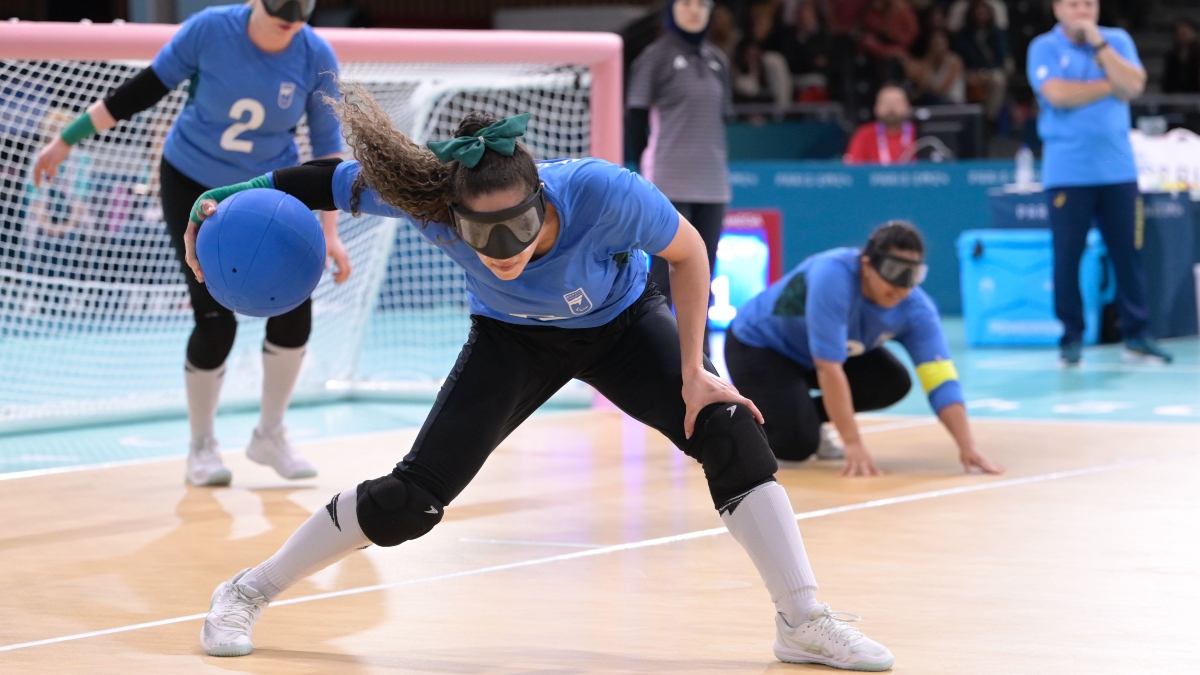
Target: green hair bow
(468, 150)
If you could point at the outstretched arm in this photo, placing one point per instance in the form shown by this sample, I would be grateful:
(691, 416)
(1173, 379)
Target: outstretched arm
(954, 416)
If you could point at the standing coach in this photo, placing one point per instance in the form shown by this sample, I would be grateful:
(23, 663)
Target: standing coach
(1084, 77)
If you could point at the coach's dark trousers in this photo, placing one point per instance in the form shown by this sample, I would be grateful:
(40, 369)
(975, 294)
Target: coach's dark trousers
(1117, 211)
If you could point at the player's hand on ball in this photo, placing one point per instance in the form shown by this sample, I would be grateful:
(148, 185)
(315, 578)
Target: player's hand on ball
(859, 462)
(202, 210)
(703, 389)
(335, 249)
(971, 459)
(49, 160)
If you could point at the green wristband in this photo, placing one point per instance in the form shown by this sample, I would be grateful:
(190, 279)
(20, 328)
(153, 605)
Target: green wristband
(78, 130)
(220, 194)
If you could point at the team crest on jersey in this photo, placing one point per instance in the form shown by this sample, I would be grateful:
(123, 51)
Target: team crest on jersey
(578, 302)
(287, 91)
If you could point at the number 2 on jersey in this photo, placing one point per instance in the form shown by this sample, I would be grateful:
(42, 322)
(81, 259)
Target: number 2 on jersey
(229, 139)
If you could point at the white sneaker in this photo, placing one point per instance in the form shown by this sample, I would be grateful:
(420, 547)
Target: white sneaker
(274, 450)
(829, 639)
(204, 465)
(231, 616)
(831, 446)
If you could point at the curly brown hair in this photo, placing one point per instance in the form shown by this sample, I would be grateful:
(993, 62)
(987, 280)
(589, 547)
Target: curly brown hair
(407, 175)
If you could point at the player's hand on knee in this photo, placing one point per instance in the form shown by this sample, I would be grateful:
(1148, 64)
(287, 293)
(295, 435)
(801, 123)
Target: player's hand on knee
(49, 160)
(189, 247)
(704, 389)
(335, 249)
(859, 462)
(972, 460)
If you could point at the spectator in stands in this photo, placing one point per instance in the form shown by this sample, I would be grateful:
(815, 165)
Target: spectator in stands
(958, 16)
(845, 15)
(889, 138)
(938, 76)
(723, 31)
(985, 53)
(1181, 74)
(809, 54)
(889, 29)
(932, 20)
(760, 71)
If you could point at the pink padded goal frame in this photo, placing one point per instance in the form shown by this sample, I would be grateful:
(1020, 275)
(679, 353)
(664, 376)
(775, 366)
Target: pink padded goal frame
(601, 52)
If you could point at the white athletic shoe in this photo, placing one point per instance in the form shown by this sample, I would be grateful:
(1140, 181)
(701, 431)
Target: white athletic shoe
(829, 639)
(204, 465)
(274, 450)
(231, 616)
(830, 447)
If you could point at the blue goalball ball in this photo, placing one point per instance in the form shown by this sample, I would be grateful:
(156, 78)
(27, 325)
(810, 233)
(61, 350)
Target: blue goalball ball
(262, 252)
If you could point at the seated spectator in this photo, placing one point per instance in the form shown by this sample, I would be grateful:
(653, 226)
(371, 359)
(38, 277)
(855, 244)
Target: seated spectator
(932, 19)
(760, 74)
(957, 15)
(1181, 74)
(889, 29)
(809, 54)
(938, 76)
(985, 54)
(890, 138)
(845, 15)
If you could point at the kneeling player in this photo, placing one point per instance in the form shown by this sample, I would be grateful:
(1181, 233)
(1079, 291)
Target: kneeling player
(555, 258)
(824, 326)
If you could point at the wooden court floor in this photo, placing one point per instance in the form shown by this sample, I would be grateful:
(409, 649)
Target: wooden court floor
(587, 545)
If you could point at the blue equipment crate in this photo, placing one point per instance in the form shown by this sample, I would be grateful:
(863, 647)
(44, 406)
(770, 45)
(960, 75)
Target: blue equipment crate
(1008, 287)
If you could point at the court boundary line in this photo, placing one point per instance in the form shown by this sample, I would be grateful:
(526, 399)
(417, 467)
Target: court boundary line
(630, 546)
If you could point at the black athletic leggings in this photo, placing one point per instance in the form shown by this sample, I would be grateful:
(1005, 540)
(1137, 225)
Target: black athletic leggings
(216, 327)
(780, 388)
(506, 371)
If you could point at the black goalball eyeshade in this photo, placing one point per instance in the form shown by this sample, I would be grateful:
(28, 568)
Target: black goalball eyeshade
(290, 10)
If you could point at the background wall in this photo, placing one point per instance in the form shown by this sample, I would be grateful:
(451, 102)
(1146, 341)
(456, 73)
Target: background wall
(828, 204)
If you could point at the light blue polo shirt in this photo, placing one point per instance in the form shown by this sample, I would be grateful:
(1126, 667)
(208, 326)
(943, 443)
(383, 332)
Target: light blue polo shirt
(1088, 145)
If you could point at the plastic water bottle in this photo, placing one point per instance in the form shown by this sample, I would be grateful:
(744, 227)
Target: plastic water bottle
(1024, 177)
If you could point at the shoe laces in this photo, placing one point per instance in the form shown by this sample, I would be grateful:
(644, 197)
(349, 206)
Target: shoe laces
(278, 436)
(837, 626)
(241, 611)
(205, 450)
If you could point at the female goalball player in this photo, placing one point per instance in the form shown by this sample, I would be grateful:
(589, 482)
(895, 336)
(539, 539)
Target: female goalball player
(255, 70)
(555, 254)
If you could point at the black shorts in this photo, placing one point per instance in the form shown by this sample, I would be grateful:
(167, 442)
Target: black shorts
(506, 371)
(781, 388)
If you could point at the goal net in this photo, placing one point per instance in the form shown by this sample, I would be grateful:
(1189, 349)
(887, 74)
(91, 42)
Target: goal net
(94, 313)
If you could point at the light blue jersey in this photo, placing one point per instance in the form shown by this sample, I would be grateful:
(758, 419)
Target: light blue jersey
(818, 311)
(1088, 145)
(609, 219)
(241, 115)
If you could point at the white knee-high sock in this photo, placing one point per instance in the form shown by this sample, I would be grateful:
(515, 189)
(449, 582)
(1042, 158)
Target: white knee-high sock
(326, 537)
(281, 367)
(203, 393)
(763, 523)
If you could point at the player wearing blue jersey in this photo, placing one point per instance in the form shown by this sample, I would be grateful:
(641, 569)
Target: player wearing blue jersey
(254, 71)
(555, 255)
(823, 326)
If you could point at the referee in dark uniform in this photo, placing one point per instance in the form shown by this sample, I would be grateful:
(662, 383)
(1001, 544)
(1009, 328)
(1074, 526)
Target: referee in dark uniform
(1085, 77)
(678, 100)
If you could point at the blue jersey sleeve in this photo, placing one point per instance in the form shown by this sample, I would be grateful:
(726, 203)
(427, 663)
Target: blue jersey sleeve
(369, 201)
(827, 309)
(1044, 63)
(323, 124)
(179, 60)
(1121, 41)
(635, 215)
(926, 344)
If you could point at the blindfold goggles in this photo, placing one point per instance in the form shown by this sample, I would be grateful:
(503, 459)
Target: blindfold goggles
(898, 271)
(502, 234)
(290, 10)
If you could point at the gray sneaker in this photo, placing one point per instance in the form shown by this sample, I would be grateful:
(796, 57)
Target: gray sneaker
(831, 446)
(231, 616)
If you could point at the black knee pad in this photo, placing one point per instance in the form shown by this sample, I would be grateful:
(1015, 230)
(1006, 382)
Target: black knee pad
(212, 338)
(291, 329)
(733, 450)
(392, 510)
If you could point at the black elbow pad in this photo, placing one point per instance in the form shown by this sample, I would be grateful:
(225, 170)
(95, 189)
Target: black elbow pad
(311, 183)
(136, 94)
